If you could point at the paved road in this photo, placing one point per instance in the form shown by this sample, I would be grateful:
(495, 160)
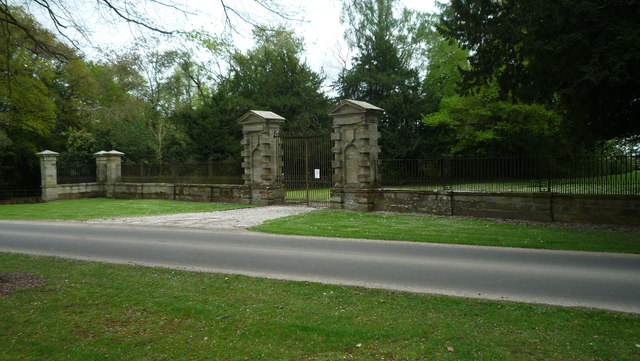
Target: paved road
(598, 280)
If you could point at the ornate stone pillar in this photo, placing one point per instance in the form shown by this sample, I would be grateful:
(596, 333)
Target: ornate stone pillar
(48, 175)
(262, 160)
(355, 154)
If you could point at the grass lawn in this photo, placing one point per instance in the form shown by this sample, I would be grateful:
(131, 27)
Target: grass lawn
(83, 209)
(93, 311)
(334, 223)
(315, 195)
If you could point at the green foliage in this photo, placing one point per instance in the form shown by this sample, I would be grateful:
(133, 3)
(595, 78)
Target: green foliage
(129, 135)
(211, 129)
(28, 112)
(131, 102)
(139, 94)
(580, 55)
(271, 76)
(117, 116)
(486, 125)
(446, 59)
(81, 145)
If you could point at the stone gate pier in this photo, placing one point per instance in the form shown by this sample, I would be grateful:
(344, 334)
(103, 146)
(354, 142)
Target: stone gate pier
(262, 161)
(355, 154)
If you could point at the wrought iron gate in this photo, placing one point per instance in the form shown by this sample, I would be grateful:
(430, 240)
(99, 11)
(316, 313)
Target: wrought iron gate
(307, 171)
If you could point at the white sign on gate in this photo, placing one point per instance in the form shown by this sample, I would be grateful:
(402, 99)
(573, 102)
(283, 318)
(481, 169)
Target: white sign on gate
(317, 173)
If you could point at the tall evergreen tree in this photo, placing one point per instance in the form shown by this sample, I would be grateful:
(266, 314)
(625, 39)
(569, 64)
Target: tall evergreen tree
(272, 76)
(382, 73)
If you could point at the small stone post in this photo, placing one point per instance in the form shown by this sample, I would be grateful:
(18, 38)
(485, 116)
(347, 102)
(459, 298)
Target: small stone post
(108, 166)
(108, 170)
(355, 154)
(48, 175)
(262, 160)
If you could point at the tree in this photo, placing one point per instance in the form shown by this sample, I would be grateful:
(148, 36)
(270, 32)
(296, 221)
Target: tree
(271, 76)
(580, 55)
(445, 59)
(211, 129)
(27, 107)
(382, 73)
(133, 104)
(485, 125)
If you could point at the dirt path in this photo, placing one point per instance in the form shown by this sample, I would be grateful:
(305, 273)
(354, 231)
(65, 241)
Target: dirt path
(231, 219)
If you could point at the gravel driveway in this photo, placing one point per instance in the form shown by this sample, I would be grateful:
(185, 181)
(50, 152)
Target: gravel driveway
(231, 219)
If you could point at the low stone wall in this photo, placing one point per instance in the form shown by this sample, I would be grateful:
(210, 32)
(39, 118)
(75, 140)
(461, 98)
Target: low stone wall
(140, 190)
(542, 206)
(74, 191)
(182, 192)
(596, 209)
(430, 202)
(529, 206)
(546, 207)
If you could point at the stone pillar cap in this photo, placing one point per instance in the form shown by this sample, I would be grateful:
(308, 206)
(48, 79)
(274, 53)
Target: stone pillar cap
(350, 106)
(261, 114)
(45, 153)
(111, 153)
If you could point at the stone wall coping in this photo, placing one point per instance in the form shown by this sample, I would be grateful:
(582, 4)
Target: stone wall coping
(77, 184)
(505, 194)
(417, 191)
(511, 194)
(179, 185)
(134, 183)
(598, 196)
(206, 185)
(48, 153)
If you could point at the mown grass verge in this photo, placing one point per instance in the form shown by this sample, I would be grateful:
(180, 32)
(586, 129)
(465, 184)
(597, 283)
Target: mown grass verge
(335, 223)
(312, 195)
(93, 311)
(83, 209)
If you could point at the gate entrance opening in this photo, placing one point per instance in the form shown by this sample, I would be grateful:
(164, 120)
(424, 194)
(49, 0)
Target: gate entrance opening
(307, 172)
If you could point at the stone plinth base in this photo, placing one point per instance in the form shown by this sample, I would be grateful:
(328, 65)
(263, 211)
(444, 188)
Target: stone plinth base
(353, 199)
(267, 196)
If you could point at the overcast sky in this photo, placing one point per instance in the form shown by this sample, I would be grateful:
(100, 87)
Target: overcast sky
(324, 35)
(319, 25)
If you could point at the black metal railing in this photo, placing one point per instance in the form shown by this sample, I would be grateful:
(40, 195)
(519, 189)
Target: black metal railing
(226, 172)
(70, 172)
(20, 195)
(577, 175)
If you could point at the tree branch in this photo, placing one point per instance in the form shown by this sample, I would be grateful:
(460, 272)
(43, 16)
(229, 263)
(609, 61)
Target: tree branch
(125, 16)
(64, 16)
(30, 33)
